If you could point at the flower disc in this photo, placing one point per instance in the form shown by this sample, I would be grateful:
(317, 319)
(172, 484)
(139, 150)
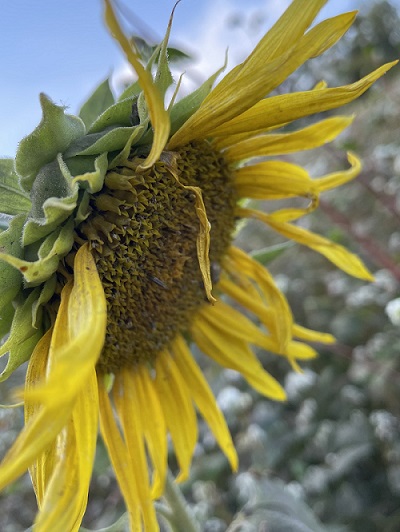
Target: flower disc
(143, 231)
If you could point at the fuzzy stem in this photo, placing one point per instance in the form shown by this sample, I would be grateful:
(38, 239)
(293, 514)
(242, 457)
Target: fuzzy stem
(122, 525)
(182, 518)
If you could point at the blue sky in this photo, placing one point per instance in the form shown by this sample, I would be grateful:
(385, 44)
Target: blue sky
(62, 48)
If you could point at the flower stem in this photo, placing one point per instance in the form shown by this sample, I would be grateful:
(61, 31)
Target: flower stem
(182, 518)
(122, 525)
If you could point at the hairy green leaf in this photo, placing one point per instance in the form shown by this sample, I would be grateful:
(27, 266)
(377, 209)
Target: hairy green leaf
(53, 135)
(13, 200)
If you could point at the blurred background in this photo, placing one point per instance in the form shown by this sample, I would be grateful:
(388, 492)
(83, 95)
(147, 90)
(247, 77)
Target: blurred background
(329, 458)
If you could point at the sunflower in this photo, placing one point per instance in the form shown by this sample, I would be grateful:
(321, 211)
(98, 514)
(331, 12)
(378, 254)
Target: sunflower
(119, 252)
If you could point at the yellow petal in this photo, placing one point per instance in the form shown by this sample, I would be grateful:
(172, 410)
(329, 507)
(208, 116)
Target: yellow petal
(45, 421)
(155, 431)
(233, 324)
(85, 418)
(127, 406)
(284, 35)
(285, 108)
(343, 259)
(178, 411)
(312, 336)
(42, 467)
(119, 457)
(60, 336)
(281, 327)
(204, 398)
(279, 180)
(244, 293)
(158, 115)
(67, 489)
(286, 31)
(247, 84)
(76, 348)
(36, 371)
(76, 342)
(238, 357)
(253, 302)
(59, 503)
(274, 180)
(299, 351)
(280, 143)
(203, 238)
(203, 242)
(337, 179)
(284, 53)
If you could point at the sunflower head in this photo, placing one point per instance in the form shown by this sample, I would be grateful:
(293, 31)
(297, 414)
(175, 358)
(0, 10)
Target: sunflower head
(143, 231)
(143, 186)
(119, 251)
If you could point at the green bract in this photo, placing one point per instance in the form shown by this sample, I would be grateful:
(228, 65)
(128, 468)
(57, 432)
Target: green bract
(45, 192)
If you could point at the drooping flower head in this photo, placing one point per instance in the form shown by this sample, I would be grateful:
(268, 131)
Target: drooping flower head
(119, 252)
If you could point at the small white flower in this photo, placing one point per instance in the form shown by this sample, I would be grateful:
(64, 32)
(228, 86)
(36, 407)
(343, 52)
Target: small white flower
(392, 309)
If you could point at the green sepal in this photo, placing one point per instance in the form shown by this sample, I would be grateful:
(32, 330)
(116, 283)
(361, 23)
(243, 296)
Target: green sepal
(163, 78)
(54, 198)
(97, 103)
(56, 179)
(19, 354)
(53, 135)
(146, 50)
(112, 140)
(184, 108)
(83, 143)
(124, 153)
(10, 278)
(23, 336)
(175, 55)
(93, 180)
(118, 114)
(83, 209)
(6, 317)
(53, 248)
(45, 295)
(132, 91)
(13, 200)
(144, 115)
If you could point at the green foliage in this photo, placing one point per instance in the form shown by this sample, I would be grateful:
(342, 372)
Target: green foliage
(147, 50)
(23, 336)
(101, 99)
(52, 136)
(13, 200)
(10, 278)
